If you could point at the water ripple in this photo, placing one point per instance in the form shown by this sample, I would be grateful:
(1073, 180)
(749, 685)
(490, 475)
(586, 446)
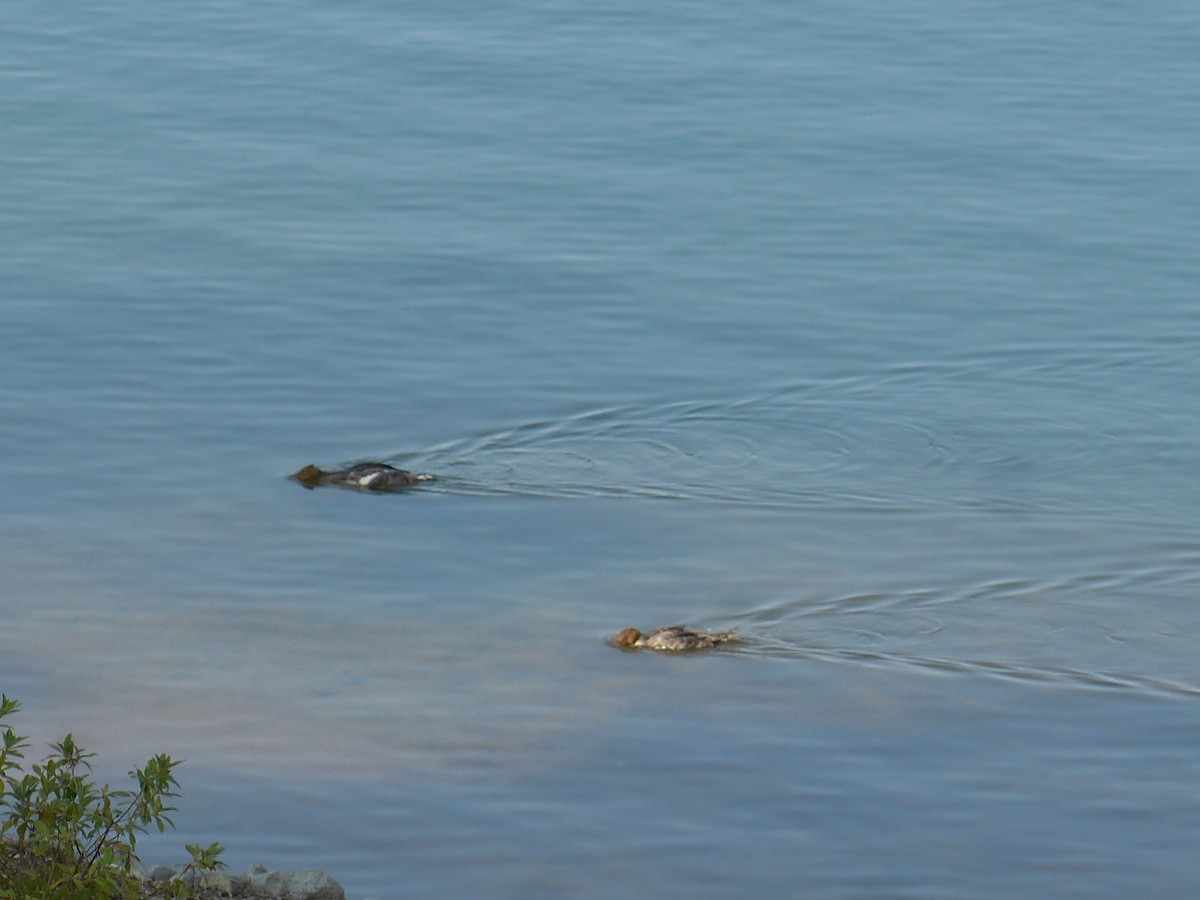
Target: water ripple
(1023, 629)
(847, 444)
(995, 668)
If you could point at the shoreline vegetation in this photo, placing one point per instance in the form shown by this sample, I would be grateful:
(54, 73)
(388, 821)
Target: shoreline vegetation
(63, 837)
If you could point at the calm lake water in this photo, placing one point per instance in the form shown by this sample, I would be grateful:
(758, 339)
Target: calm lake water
(870, 329)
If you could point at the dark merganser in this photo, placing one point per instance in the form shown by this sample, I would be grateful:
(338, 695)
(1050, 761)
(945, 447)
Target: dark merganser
(368, 476)
(677, 637)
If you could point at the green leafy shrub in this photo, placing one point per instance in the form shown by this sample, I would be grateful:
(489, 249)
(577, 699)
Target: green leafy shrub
(65, 838)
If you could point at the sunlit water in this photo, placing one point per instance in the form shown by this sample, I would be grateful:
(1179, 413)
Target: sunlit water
(871, 332)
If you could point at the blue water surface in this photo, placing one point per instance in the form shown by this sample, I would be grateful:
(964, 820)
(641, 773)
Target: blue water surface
(870, 330)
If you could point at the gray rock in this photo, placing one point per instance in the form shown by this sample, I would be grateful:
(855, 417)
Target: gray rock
(206, 881)
(265, 881)
(161, 874)
(312, 884)
(138, 871)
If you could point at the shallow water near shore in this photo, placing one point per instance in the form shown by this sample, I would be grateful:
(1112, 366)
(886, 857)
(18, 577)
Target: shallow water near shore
(873, 336)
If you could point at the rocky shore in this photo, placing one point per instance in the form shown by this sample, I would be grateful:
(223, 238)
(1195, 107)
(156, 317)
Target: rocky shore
(257, 883)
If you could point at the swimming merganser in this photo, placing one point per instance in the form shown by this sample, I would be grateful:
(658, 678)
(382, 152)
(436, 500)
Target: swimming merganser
(368, 476)
(677, 637)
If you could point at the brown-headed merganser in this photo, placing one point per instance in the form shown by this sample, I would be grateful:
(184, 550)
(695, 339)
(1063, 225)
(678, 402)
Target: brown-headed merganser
(368, 476)
(677, 637)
